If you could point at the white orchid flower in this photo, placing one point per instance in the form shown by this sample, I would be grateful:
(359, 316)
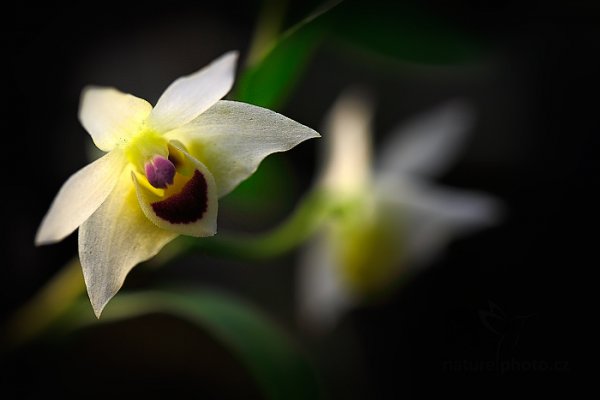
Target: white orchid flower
(165, 169)
(389, 217)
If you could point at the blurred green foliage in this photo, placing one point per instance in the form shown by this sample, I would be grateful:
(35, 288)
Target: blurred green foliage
(264, 197)
(395, 30)
(402, 31)
(271, 357)
(270, 80)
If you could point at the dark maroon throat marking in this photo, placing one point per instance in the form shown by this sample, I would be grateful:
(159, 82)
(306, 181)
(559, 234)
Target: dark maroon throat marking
(186, 206)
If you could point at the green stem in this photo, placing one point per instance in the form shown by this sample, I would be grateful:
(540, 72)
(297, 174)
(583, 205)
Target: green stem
(268, 27)
(307, 218)
(52, 301)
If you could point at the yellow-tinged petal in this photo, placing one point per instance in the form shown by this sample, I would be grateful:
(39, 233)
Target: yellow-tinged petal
(79, 197)
(191, 95)
(189, 206)
(232, 138)
(110, 116)
(348, 144)
(114, 239)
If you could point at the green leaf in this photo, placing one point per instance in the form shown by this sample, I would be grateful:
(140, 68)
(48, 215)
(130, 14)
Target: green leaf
(392, 29)
(270, 356)
(269, 82)
(402, 31)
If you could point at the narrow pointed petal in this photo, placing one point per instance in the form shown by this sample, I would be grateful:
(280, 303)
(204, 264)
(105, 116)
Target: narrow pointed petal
(114, 239)
(232, 138)
(191, 95)
(79, 197)
(462, 208)
(435, 215)
(322, 297)
(348, 143)
(110, 116)
(430, 143)
(191, 210)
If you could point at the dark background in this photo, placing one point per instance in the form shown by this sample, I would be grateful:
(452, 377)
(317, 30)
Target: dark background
(534, 146)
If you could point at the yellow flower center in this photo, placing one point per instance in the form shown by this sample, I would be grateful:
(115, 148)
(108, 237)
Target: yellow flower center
(143, 147)
(366, 248)
(149, 153)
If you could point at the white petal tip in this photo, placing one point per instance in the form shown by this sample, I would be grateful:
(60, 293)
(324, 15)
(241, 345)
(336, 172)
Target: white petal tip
(98, 305)
(305, 134)
(314, 134)
(42, 242)
(481, 212)
(40, 239)
(233, 54)
(97, 313)
(45, 236)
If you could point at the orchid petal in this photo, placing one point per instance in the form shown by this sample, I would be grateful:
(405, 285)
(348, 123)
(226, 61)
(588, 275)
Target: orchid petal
(428, 144)
(322, 296)
(79, 197)
(191, 95)
(192, 209)
(348, 143)
(434, 215)
(232, 138)
(114, 239)
(110, 116)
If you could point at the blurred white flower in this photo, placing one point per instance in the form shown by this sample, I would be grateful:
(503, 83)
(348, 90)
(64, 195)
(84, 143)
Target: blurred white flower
(388, 217)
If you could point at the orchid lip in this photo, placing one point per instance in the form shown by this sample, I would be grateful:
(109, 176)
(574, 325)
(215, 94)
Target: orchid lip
(187, 206)
(160, 172)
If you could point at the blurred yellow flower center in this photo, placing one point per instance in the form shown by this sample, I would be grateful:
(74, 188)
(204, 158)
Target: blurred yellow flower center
(366, 248)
